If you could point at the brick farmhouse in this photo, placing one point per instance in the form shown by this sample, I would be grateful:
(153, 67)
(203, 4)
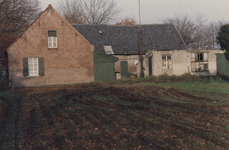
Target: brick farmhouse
(50, 52)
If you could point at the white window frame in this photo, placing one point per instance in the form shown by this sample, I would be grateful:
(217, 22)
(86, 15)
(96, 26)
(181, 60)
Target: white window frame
(166, 62)
(108, 49)
(52, 40)
(33, 66)
(199, 62)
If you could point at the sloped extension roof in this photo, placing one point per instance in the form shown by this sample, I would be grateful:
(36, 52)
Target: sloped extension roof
(125, 39)
(103, 58)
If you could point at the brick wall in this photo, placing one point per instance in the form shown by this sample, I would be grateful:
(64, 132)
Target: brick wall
(72, 62)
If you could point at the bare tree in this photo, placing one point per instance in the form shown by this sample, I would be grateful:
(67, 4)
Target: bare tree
(208, 36)
(185, 25)
(15, 15)
(213, 29)
(197, 34)
(70, 10)
(89, 11)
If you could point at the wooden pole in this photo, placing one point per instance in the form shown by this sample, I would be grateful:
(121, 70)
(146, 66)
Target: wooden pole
(140, 43)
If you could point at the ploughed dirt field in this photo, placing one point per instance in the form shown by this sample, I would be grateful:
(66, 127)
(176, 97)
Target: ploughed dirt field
(103, 116)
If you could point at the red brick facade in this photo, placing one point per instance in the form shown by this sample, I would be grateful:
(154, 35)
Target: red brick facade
(72, 62)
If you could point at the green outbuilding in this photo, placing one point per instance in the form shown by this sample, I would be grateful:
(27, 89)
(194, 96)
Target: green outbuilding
(222, 64)
(104, 66)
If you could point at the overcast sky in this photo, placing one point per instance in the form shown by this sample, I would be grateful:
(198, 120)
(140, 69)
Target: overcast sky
(152, 11)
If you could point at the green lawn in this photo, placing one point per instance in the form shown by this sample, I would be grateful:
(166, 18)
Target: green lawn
(218, 86)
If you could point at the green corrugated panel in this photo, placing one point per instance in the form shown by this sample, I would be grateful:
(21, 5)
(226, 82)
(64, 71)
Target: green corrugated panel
(124, 68)
(109, 74)
(99, 72)
(222, 65)
(219, 64)
(104, 66)
(104, 71)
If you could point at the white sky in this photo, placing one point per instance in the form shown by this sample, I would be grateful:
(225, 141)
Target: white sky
(152, 11)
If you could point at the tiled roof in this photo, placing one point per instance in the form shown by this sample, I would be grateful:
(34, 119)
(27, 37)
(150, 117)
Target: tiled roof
(125, 39)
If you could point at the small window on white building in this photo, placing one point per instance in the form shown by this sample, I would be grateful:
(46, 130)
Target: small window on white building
(52, 39)
(166, 62)
(199, 62)
(33, 66)
(108, 49)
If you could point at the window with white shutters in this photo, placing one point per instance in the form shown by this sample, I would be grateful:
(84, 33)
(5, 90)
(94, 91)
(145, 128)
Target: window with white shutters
(52, 39)
(33, 66)
(199, 62)
(166, 62)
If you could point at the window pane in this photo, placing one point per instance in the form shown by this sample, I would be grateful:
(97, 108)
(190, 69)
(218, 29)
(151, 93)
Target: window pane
(33, 66)
(108, 49)
(164, 57)
(201, 56)
(50, 42)
(52, 39)
(170, 64)
(168, 57)
(35, 61)
(55, 42)
(197, 67)
(30, 60)
(201, 66)
(164, 64)
(51, 33)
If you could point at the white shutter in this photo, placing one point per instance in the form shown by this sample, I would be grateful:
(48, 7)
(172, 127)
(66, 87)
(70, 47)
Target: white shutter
(193, 56)
(205, 56)
(193, 66)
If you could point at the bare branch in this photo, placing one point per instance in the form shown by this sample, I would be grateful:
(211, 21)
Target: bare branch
(15, 14)
(127, 21)
(196, 33)
(89, 11)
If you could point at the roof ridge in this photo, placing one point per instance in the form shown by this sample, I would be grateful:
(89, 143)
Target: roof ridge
(121, 25)
(31, 24)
